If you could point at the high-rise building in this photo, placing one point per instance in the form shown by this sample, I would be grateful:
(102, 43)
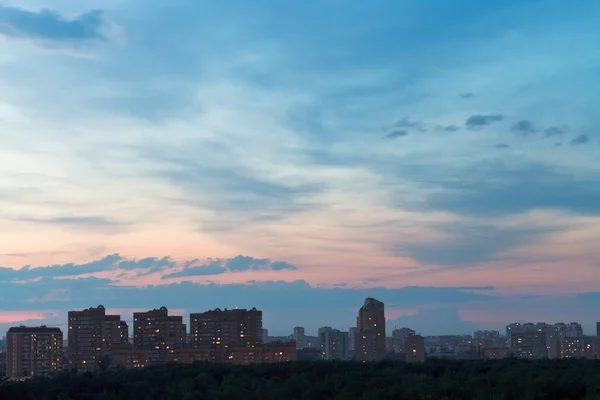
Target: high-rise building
(159, 334)
(334, 345)
(352, 339)
(399, 339)
(219, 330)
(299, 337)
(564, 340)
(92, 337)
(264, 335)
(414, 349)
(528, 340)
(34, 351)
(370, 334)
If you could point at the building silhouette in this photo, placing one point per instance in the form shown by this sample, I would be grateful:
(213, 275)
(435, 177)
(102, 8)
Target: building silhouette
(158, 334)
(299, 337)
(414, 348)
(399, 339)
(93, 337)
(334, 345)
(370, 333)
(218, 330)
(33, 351)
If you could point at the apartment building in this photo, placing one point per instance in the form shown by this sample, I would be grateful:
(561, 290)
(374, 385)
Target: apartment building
(370, 334)
(334, 345)
(93, 337)
(414, 349)
(159, 334)
(33, 351)
(219, 330)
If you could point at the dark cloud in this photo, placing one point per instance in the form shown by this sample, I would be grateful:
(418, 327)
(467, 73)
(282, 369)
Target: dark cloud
(476, 121)
(524, 128)
(502, 146)
(467, 95)
(236, 264)
(48, 25)
(148, 265)
(581, 139)
(406, 123)
(396, 133)
(553, 131)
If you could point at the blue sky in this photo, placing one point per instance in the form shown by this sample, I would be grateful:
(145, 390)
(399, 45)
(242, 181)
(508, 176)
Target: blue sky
(441, 156)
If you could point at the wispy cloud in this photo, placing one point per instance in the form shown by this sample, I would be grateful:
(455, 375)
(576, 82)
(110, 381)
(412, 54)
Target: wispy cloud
(50, 29)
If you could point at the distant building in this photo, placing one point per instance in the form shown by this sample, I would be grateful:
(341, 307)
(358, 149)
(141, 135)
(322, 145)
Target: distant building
(488, 338)
(3, 362)
(33, 351)
(414, 349)
(273, 352)
(299, 337)
(399, 339)
(588, 347)
(495, 353)
(334, 345)
(528, 340)
(93, 336)
(352, 339)
(159, 334)
(219, 330)
(265, 335)
(370, 334)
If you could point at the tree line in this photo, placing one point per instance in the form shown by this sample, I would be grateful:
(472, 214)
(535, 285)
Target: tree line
(508, 379)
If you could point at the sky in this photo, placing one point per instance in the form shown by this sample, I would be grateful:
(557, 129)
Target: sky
(297, 157)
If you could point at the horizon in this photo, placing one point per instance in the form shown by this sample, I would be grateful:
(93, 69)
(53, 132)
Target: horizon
(442, 158)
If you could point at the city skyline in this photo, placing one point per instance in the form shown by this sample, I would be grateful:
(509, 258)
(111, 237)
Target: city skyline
(439, 157)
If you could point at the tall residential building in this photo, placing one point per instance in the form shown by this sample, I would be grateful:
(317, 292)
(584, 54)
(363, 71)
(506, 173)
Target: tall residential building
(34, 351)
(414, 349)
(219, 330)
(528, 340)
(299, 337)
(352, 339)
(263, 332)
(92, 336)
(159, 334)
(334, 345)
(370, 334)
(399, 337)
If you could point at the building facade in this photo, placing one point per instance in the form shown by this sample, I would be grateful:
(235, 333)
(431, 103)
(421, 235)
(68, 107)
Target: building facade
(92, 336)
(414, 349)
(399, 339)
(33, 351)
(299, 337)
(219, 330)
(334, 345)
(528, 340)
(370, 333)
(159, 334)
